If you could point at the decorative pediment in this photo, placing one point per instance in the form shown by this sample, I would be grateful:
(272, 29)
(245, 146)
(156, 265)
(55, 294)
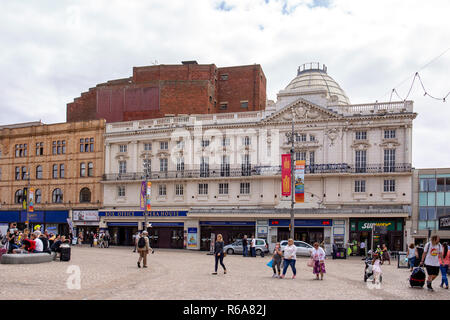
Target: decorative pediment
(302, 110)
(389, 144)
(361, 145)
(122, 156)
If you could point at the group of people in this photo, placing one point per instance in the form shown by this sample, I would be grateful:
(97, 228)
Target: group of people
(102, 239)
(21, 242)
(245, 243)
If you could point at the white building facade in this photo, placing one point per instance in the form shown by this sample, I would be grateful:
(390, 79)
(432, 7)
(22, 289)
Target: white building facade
(221, 173)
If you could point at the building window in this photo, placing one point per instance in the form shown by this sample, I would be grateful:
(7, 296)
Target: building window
(147, 165)
(163, 165)
(246, 167)
(312, 137)
(360, 161)
(123, 148)
(61, 170)
(39, 148)
(223, 106)
(122, 167)
(224, 77)
(389, 160)
(244, 104)
(164, 145)
(205, 143)
(428, 185)
(24, 173)
(18, 196)
(162, 190)
(225, 166)
(21, 150)
(300, 155)
(83, 169)
(204, 167)
(245, 188)
(85, 195)
(202, 188)
(90, 169)
(121, 191)
(87, 145)
(180, 164)
(147, 146)
(361, 135)
(389, 134)
(39, 172)
(246, 141)
(180, 144)
(59, 147)
(389, 186)
(179, 191)
(225, 142)
(360, 185)
(312, 158)
(223, 188)
(17, 173)
(301, 137)
(38, 196)
(57, 196)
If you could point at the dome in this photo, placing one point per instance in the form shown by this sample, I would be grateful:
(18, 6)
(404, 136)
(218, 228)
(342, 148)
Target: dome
(311, 77)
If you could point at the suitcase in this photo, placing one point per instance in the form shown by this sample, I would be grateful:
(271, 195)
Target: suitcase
(417, 278)
(65, 254)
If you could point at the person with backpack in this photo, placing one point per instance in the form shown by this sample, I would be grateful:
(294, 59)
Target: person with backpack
(444, 262)
(143, 248)
(431, 255)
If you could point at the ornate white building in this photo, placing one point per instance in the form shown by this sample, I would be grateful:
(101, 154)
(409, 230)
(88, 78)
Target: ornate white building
(220, 173)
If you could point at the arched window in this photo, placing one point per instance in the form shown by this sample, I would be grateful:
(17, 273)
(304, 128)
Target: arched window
(18, 197)
(57, 196)
(39, 172)
(38, 196)
(90, 169)
(85, 195)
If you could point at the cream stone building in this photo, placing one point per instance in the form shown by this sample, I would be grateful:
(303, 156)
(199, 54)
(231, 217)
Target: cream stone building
(63, 163)
(221, 173)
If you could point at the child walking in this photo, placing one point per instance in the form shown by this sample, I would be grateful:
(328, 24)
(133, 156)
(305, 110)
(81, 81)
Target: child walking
(376, 268)
(276, 260)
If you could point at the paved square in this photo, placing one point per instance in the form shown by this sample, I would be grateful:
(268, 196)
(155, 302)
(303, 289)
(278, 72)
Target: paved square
(179, 274)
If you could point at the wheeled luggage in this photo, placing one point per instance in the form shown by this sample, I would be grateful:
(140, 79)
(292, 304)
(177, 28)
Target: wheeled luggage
(417, 278)
(65, 254)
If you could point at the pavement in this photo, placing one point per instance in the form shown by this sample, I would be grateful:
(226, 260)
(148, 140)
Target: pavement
(112, 273)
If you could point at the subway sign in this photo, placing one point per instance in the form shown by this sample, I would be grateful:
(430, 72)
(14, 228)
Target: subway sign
(141, 213)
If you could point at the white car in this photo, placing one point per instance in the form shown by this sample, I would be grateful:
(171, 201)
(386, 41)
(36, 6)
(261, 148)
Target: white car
(303, 248)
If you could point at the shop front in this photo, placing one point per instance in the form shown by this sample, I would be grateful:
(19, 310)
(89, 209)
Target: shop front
(385, 231)
(166, 230)
(306, 230)
(85, 222)
(52, 221)
(230, 231)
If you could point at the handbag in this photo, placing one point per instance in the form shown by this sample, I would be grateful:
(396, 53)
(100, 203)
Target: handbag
(310, 263)
(270, 263)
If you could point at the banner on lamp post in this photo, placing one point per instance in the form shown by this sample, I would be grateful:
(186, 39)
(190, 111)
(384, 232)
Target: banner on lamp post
(286, 175)
(31, 203)
(149, 193)
(142, 196)
(300, 181)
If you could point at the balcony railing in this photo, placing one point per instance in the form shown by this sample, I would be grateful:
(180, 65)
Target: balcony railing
(247, 170)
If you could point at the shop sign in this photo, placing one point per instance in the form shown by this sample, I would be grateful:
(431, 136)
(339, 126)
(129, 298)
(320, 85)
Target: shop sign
(367, 225)
(85, 215)
(444, 223)
(192, 238)
(227, 223)
(141, 213)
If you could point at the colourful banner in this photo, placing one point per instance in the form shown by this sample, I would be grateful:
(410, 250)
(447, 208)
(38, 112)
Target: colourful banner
(286, 175)
(31, 203)
(142, 196)
(300, 181)
(149, 193)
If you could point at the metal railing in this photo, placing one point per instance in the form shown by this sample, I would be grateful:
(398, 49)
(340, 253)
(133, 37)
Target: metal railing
(247, 170)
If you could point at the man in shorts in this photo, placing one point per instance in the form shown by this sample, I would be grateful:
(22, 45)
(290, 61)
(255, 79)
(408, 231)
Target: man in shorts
(431, 253)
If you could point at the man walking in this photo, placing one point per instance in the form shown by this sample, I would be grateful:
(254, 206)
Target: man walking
(245, 246)
(143, 247)
(362, 248)
(253, 246)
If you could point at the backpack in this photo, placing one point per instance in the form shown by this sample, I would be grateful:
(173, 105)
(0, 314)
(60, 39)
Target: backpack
(141, 242)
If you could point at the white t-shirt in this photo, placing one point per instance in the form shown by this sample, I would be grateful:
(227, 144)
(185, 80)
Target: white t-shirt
(432, 254)
(318, 255)
(39, 245)
(363, 245)
(253, 243)
(290, 252)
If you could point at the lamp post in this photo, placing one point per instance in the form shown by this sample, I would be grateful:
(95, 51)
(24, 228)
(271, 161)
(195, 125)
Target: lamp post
(146, 172)
(292, 224)
(27, 200)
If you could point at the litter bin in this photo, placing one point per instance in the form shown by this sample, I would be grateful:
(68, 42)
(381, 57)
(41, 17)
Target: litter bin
(65, 253)
(341, 253)
(402, 260)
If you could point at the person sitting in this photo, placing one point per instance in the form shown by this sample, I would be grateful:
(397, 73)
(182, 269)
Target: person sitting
(46, 246)
(56, 247)
(28, 246)
(39, 245)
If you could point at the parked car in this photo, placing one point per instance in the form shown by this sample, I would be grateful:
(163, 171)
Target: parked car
(236, 247)
(303, 248)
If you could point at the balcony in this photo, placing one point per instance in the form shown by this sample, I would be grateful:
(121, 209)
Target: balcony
(247, 170)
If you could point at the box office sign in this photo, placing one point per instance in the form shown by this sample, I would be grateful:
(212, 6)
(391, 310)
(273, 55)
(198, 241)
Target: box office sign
(85, 215)
(444, 223)
(378, 225)
(141, 213)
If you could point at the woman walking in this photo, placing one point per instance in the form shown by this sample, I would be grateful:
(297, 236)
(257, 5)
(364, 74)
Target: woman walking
(218, 254)
(431, 254)
(444, 262)
(385, 252)
(276, 260)
(290, 256)
(318, 255)
(411, 256)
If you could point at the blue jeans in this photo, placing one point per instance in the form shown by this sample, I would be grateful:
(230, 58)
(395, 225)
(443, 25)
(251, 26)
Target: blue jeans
(444, 269)
(412, 262)
(245, 251)
(253, 251)
(287, 263)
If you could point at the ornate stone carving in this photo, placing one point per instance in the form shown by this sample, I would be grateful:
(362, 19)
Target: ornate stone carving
(332, 134)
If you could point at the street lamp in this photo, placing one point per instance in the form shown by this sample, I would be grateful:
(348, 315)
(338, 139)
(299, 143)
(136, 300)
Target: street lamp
(146, 172)
(27, 200)
(291, 136)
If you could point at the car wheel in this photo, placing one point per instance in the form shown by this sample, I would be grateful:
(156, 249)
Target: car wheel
(258, 252)
(230, 251)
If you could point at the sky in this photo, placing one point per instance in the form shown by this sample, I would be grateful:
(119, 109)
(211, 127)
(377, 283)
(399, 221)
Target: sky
(51, 51)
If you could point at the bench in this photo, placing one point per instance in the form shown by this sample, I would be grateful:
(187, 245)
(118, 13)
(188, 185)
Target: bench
(27, 258)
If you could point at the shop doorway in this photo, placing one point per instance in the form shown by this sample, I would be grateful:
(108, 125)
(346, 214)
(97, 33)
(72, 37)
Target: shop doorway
(166, 237)
(123, 236)
(308, 235)
(229, 234)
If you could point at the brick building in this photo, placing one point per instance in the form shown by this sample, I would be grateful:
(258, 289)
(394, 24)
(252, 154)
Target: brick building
(162, 90)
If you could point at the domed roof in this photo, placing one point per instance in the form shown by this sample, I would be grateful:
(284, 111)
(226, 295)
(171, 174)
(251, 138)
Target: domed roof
(311, 77)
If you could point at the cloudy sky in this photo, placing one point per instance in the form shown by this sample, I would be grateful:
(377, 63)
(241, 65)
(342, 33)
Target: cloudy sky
(51, 51)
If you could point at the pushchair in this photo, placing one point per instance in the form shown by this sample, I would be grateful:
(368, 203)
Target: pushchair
(368, 270)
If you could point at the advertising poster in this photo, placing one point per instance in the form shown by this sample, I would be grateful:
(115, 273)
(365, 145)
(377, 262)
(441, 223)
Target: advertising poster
(149, 193)
(286, 175)
(31, 204)
(142, 196)
(192, 238)
(300, 181)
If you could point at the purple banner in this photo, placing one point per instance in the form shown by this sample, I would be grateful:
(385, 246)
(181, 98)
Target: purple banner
(142, 196)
